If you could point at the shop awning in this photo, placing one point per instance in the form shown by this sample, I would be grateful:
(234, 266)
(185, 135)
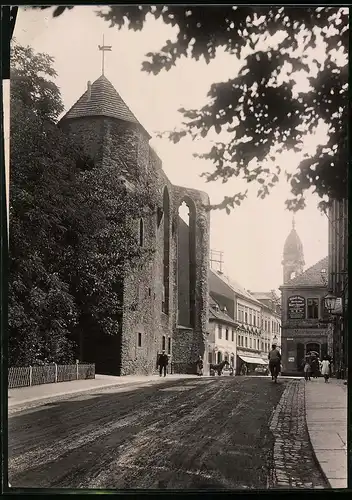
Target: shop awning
(252, 360)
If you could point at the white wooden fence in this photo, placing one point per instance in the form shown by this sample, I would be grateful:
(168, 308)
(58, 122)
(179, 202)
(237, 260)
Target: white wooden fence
(48, 374)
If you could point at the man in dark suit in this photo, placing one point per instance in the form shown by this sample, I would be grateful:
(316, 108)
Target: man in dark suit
(163, 361)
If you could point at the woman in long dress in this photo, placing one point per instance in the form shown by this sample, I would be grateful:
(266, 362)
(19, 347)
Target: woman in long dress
(325, 369)
(200, 366)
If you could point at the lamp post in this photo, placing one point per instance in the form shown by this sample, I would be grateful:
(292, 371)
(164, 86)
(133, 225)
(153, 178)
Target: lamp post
(340, 337)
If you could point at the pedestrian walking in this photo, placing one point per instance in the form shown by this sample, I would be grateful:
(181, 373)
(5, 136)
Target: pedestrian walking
(163, 361)
(200, 366)
(274, 358)
(307, 370)
(325, 369)
(315, 367)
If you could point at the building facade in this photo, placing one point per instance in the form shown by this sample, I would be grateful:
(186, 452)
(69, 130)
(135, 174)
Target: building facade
(305, 323)
(222, 334)
(337, 281)
(246, 312)
(271, 318)
(165, 301)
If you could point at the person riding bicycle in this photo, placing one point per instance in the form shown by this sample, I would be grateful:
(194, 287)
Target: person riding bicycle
(274, 357)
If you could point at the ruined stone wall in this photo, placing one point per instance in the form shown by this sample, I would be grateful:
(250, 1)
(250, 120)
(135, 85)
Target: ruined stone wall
(114, 143)
(190, 343)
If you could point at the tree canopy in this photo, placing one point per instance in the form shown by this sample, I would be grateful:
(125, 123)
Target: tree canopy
(259, 108)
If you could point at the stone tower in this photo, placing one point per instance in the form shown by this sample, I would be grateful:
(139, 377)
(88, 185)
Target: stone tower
(293, 258)
(151, 293)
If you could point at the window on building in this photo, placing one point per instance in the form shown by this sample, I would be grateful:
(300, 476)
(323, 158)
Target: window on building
(246, 342)
(169, 345)
(246, 317)
(139, 341)
(164, 343)
(250, 317)
(220, 332)
(227, 334)
(262, 346)
(250, 343)
(269, 329)
(312, 308)
(254, 320)
(219, 357)
(210, 357)
(233, 335)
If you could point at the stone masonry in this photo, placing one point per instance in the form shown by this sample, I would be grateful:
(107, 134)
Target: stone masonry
(112, 136)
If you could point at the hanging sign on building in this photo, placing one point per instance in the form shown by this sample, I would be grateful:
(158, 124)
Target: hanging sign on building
(296, 307)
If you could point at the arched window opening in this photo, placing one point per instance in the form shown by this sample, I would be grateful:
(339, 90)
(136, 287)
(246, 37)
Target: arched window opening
(166, 254)
(187, 263)
(141, 233)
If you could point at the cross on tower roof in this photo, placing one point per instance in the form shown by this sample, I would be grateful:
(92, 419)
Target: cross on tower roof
(104, 48)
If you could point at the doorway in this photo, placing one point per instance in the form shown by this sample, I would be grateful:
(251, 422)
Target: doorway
(313, 346)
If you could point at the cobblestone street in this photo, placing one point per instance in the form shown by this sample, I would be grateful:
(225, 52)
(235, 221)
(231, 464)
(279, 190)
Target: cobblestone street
(223, 433)
(293, 459)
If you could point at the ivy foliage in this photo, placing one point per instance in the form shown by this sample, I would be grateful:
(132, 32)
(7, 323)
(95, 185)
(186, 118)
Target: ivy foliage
(73, 226)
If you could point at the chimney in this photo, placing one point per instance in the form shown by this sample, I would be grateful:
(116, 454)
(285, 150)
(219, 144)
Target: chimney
(89, 91)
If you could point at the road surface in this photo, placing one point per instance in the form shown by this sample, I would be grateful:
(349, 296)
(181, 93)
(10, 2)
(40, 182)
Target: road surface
(201, 433)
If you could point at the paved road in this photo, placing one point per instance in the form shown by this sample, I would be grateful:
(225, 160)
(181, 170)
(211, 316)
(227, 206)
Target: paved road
(190, 434)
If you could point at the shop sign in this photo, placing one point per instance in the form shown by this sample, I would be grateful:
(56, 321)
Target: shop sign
(296, 307)
(291, 360)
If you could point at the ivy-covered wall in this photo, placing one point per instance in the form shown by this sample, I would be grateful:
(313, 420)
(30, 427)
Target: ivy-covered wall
(112, 142)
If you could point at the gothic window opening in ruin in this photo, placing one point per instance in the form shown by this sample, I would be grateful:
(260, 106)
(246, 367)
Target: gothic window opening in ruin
(141, 233)
(187, 263)
(166, 254)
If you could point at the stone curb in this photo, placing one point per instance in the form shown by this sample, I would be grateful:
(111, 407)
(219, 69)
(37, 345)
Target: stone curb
(97, 387)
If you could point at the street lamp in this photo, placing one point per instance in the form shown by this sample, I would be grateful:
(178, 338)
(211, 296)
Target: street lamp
(330, 302)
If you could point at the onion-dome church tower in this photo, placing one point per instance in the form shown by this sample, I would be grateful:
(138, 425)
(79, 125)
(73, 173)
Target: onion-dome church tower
(293, 258)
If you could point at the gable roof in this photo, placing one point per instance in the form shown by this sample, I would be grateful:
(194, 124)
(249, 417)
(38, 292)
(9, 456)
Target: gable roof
(215, 312)
(311, 276)
(104, 100)
(235, 287)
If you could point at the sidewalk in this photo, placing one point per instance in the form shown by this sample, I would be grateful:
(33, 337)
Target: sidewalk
(326, 415)
(24, 395)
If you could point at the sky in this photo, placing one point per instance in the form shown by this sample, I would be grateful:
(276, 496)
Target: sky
(253, 235)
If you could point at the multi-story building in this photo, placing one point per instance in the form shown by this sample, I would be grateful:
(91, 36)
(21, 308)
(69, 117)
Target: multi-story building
(271, 317)
(246, 313)
(222, 334)
(337, 282)
(304, 318)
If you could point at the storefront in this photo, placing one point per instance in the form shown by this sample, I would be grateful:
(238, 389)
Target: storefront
(247, 363)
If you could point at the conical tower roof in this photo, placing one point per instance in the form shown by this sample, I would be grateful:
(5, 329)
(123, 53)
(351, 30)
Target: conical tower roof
(102, 99)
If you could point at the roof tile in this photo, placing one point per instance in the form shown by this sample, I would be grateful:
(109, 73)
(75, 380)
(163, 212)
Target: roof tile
(104, 101)
(311, 276)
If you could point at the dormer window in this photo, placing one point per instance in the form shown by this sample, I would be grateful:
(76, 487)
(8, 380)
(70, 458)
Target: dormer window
(217, 308)
(225, 309)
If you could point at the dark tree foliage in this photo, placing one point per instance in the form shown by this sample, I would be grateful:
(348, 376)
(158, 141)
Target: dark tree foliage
(73, 227)
(261, 113)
